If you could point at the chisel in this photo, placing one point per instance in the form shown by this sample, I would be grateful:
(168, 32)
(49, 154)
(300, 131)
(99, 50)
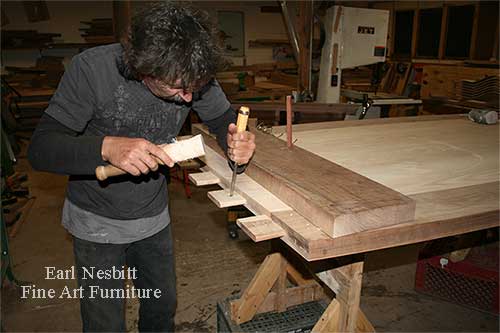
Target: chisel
(241, 126)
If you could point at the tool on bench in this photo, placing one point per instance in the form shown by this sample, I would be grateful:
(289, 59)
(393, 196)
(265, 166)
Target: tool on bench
(179, 151)
(241, 125)
(487, 117)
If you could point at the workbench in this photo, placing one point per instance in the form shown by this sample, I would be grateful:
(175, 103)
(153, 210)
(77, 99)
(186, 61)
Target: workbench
(274, 112)
(350, 187)
(380, 99)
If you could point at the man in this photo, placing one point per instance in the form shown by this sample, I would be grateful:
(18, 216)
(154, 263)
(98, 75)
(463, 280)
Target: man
(114, 105)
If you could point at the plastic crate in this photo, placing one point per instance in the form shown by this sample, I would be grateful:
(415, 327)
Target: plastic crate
(299, 318)
(472, 282)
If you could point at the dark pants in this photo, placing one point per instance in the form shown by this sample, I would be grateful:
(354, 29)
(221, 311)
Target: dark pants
(153, 259)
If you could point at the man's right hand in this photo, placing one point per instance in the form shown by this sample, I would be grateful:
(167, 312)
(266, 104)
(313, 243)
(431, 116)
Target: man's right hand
(134, 156)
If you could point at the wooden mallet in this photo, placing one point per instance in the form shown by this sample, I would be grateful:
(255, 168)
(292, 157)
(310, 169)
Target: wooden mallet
(178, 152)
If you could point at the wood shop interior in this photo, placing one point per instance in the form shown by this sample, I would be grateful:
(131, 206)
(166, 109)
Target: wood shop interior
(371, 202)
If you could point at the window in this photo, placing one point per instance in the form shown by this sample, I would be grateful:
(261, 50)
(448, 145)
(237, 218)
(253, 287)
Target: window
(459, 31)
(488, 20)
(403, 32)
(429, 32)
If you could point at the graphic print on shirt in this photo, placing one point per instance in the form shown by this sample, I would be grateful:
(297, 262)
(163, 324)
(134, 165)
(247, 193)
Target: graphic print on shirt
(137, 114)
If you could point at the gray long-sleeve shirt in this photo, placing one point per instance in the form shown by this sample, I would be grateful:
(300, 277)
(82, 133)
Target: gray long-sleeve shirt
(95, 100)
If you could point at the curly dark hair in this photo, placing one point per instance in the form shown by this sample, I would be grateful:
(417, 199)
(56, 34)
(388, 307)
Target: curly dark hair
(172, 41)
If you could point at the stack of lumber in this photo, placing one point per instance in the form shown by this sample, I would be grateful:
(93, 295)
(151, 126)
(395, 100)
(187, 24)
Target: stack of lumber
(266, 69)
(47, 72)
(359, 78)
(50, 63)
(283, 78)
(445, 81)
(271, 43)
(98, 31)
(53, 67)
(268, 43)
(233, 82)
(276, 42)
(267, 81)
(485, 90)
(27, 104)
(26, 39)
(443, 88)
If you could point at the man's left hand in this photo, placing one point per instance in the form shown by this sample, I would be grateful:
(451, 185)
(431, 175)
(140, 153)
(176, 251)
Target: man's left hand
(241, 146)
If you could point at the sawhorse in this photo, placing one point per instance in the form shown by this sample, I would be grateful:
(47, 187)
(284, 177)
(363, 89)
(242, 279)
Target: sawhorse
(268, 291)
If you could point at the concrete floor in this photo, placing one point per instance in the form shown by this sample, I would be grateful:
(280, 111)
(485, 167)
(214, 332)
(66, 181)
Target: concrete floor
(210, 267)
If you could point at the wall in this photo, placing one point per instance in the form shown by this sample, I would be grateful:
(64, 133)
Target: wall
(65, 17)
(257, 26)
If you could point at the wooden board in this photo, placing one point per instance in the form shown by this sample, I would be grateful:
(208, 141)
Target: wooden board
(223, 200)
(272, 85)
(28, 92)
(307, 108)
(245, 308)
(280, 130)
(260, 228)
(203, 178)
(439, 212)
(335, 199)
(302, 235)
(447, 164)
(411, 158)
(258, 200)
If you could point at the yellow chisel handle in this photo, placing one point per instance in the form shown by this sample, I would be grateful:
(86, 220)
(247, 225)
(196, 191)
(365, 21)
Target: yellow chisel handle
(241, 122)
(241, 126)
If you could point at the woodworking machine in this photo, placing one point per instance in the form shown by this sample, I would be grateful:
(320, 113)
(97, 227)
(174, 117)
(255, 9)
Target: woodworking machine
(354, 37)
